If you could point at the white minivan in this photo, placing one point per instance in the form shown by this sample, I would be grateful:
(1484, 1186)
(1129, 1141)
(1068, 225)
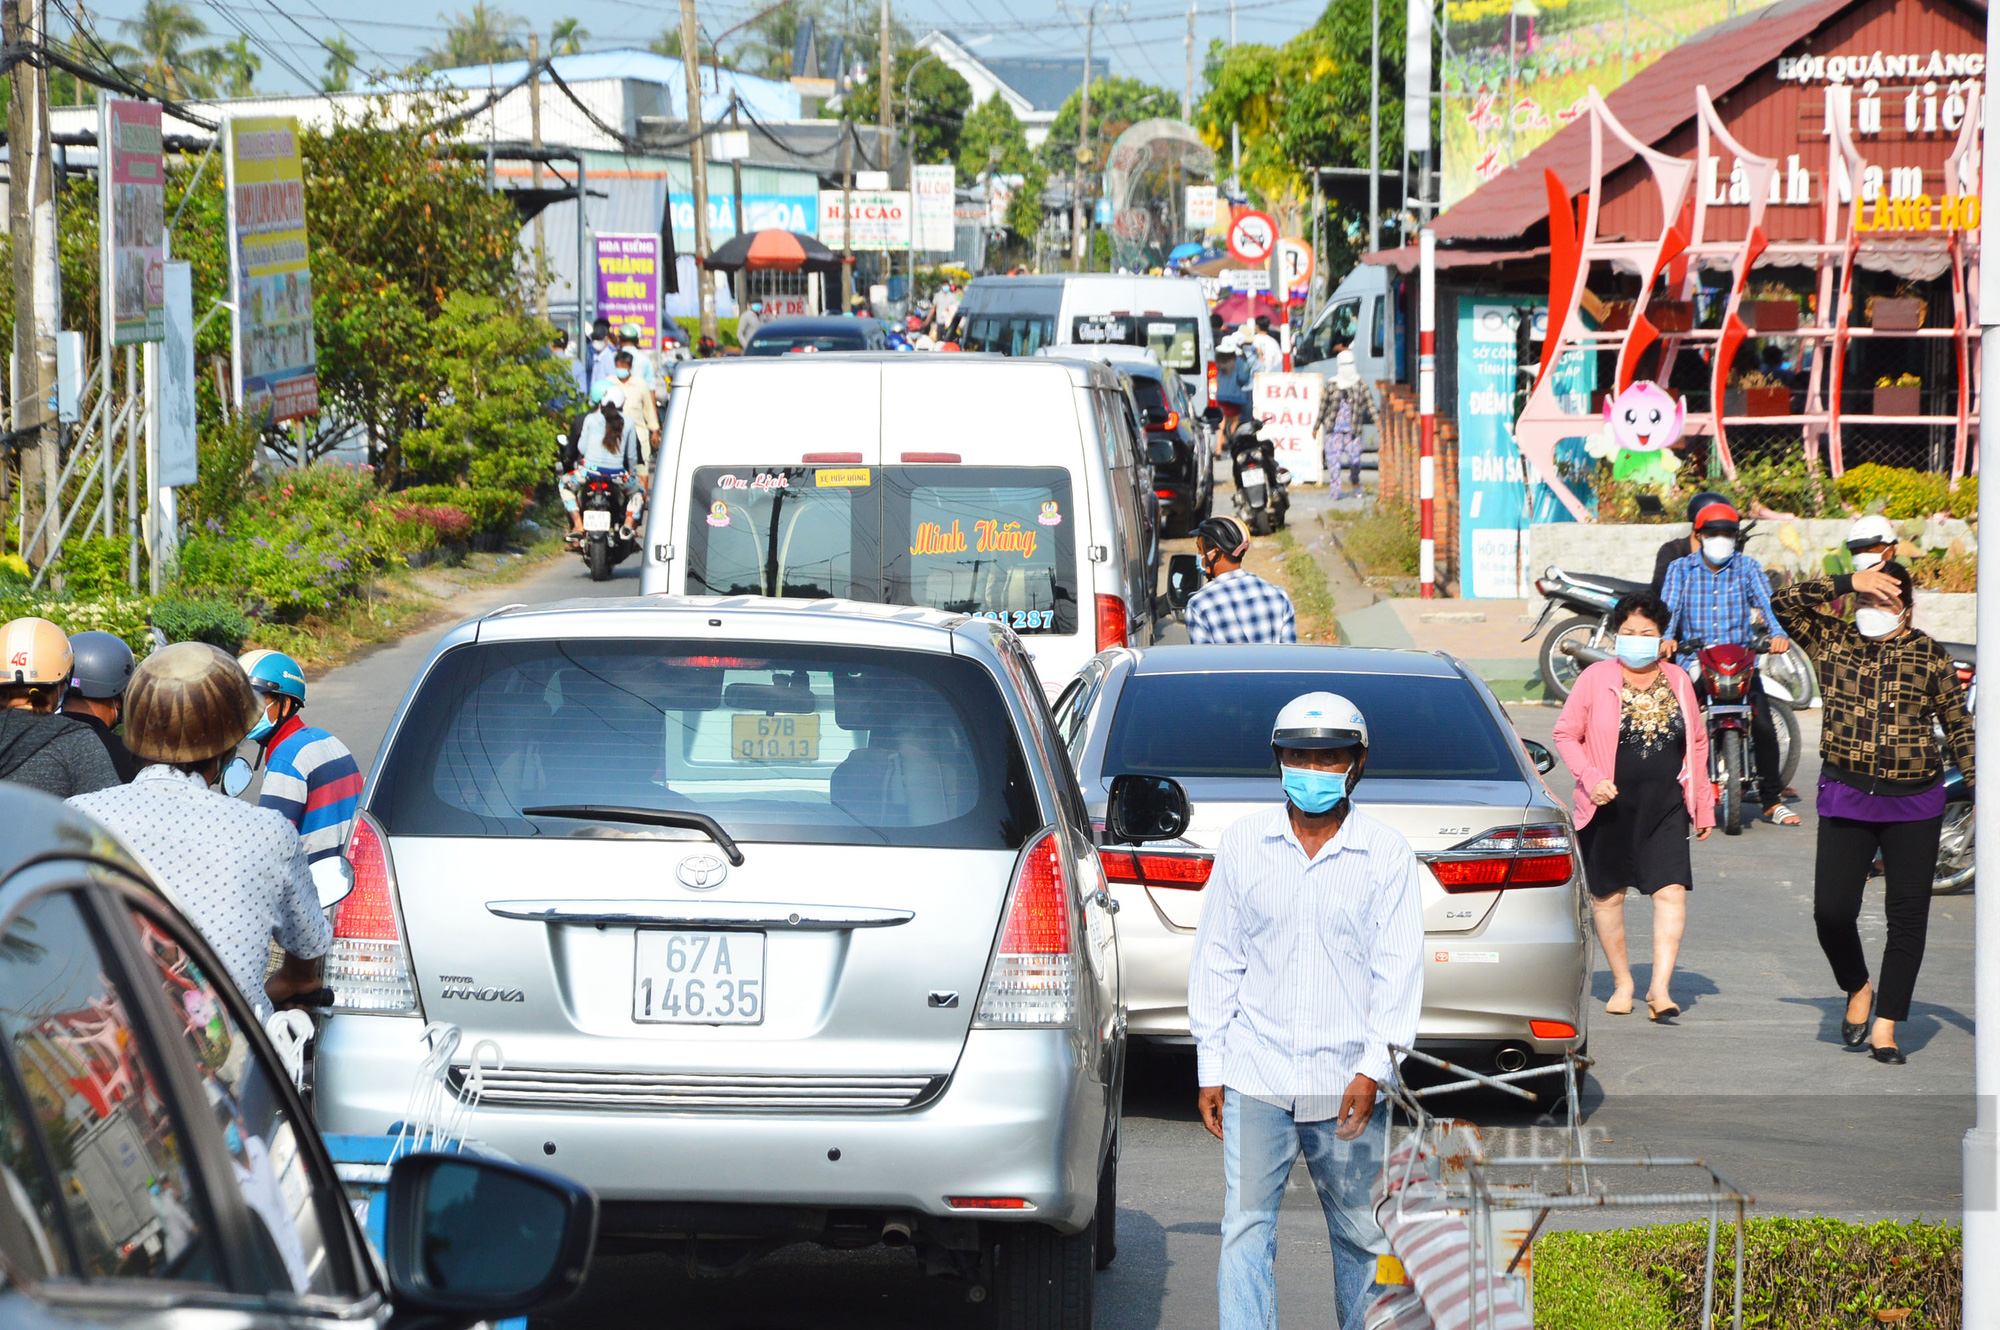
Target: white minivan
(1018, 316)
(1003, 488)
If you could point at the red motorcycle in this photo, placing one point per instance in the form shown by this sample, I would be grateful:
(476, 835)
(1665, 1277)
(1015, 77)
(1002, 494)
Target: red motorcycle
(1723, 677)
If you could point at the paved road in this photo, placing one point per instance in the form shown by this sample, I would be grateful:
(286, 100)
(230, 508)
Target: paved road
(1752, 1077)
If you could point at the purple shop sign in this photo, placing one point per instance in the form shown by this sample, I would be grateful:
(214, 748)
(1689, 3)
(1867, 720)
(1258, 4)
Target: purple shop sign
(628, 283)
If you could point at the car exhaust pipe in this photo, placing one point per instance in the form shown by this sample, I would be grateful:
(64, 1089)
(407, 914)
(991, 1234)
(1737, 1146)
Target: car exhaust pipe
(897, 1233)
(1511, 1058)
(1581, 654)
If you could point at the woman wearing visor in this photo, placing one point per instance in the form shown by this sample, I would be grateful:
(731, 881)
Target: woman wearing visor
(1888, 691)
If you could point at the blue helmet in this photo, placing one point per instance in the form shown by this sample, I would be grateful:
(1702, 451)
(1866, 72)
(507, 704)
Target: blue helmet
(275, 672)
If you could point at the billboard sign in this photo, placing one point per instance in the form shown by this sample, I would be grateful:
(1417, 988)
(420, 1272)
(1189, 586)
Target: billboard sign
(131, 214)
(270, 283)
(880, 219)
(174, 462)
(933, 186)
(1202, 210)
(1288, 404)
(628, 282)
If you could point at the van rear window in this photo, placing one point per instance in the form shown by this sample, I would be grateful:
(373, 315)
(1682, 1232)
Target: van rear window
(1177, 342)
(776, 741)
(994, 541)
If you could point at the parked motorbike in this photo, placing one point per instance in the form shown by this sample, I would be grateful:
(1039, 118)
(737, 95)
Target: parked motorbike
(1263, 492)
(610, 528)
(1588, 599)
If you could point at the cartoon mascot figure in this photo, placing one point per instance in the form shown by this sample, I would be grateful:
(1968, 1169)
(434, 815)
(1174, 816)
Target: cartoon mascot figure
(1642, 426)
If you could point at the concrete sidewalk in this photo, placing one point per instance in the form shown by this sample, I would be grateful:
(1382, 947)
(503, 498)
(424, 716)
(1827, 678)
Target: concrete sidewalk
(1485, 634)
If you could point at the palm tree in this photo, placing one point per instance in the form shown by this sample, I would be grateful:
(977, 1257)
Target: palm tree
(233, 67)
(483, 36)
(341, 62)
(162, 49)
(567, 36)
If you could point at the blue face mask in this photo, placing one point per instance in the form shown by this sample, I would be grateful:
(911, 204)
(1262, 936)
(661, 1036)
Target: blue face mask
(233, 1139)
(1314, 792)
(262, 728)
(1636, 651)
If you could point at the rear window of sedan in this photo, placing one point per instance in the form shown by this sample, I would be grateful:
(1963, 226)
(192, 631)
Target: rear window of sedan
(1194, 725)
(775, 741)
(783, 343)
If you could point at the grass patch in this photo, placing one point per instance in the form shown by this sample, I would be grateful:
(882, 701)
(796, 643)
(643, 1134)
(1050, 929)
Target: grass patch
(1802, 1274)
(1382, 542)
(1305, 581)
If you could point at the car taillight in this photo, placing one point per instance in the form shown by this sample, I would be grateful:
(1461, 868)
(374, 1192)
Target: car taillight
(1111, 626)
(366, 967)
(1163, 494)
(1509, 857)
(1172, 423)
(1552, 1029)
(1156, 868)
(1211, 382)
(1033, 979)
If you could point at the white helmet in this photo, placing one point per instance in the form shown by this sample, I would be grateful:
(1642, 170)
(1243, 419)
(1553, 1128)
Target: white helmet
(1320, 720)
(1869, 531)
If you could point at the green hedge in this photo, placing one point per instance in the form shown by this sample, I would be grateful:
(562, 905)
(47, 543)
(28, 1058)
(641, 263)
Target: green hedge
(1904, 493)
(493, 512)
(209, 619)
(1802, 1274)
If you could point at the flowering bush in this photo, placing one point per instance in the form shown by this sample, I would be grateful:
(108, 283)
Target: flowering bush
(1903, 493)
(445, 524)
(120, 614)
(493, 511)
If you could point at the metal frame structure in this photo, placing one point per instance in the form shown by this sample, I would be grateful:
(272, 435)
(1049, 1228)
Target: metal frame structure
(1684, 246)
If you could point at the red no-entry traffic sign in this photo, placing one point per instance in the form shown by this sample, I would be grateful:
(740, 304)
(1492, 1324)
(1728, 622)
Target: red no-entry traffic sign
(1252, 236)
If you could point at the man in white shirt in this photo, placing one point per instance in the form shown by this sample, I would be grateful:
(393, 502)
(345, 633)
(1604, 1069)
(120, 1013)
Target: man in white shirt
(1307, 965)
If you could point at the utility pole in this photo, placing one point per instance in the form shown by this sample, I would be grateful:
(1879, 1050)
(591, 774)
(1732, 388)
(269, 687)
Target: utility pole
(32, 219)
(1187, 92)
(535, 142)
(736, 184)
(1374, 132)
(698, 161)
(885, 122)
(1080, 245)
(846, 214)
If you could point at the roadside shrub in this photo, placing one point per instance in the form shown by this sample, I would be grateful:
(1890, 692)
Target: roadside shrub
(1383, 542)
(207, 619)
(1783, 487)
(1898, 492)
(14, 572)
(1802, 1274)
(493, 511)
(95, 567)
(435, 526)
(123, 615)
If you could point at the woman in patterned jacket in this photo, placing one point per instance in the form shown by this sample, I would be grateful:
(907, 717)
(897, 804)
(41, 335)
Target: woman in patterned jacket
(1881, 784)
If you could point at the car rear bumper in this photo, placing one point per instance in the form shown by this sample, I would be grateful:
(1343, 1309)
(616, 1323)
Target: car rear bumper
(1020, 1116)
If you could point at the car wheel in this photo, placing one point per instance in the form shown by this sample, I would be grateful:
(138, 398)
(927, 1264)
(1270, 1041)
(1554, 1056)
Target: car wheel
(1042, 1279)
(1107, 1209)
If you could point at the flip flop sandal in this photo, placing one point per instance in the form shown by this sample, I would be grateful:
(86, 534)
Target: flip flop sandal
(1780, 816)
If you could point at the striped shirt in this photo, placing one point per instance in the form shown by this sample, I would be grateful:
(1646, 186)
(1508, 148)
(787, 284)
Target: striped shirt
(1306, 970)
(312, 779)
(1240, 606)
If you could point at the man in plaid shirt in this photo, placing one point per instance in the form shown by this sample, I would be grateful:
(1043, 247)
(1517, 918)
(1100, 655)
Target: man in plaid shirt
(1711, 593)
(1236, 605)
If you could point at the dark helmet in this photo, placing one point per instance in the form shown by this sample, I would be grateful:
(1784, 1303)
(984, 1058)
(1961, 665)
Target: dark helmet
(1702, 500)
(101, 665)
(1225, 535)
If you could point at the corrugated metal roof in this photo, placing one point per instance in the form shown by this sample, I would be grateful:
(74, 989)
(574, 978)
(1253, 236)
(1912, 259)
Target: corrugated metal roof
(1652, 105)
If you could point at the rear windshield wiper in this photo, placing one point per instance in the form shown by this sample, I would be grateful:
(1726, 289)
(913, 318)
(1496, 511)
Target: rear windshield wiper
(649, 817)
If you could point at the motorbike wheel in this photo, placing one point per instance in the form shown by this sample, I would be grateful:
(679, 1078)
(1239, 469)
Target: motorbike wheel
(1732, 782)
(600, 560)
(1260, 521)
(1559, 671)
(1787, 726)
(1954, 861)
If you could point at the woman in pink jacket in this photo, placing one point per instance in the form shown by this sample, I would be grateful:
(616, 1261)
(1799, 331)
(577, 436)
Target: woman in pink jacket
(1633, 736)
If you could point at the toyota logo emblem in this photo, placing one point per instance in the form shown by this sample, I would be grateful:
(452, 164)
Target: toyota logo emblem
(701, 872)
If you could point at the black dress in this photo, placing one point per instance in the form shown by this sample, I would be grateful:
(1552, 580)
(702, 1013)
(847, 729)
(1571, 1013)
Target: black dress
(1640, 838)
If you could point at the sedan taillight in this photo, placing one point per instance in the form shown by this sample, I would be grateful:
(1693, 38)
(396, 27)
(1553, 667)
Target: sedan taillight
(1507, 858)
(1157, 868)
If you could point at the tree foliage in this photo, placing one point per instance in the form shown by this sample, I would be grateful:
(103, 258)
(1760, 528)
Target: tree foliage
(993, 140)
(489, 360)
(936, 110)
(1116, 104)
(478, 36)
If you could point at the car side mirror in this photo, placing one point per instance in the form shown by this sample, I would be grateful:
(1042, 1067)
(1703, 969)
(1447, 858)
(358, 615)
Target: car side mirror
(471, 1239)
(1146, 808)
(333, 877)
(1539, 754)
(1212, 416)
(1184, 578)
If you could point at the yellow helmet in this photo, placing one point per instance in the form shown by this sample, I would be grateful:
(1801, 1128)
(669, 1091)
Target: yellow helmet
(34, 652)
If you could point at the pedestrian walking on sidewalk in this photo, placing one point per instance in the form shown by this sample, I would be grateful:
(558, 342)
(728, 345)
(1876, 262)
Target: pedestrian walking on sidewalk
(1881, 784)
(239, 872)
(1236, 605)
(1308, 965)
(1633, 736)
(1344, 407)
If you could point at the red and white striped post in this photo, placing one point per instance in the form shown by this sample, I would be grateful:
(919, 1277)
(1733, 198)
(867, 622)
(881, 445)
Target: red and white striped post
(1427, 409)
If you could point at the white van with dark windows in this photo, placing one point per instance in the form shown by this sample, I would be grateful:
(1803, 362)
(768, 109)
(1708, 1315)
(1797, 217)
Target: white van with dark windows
(1000, 488)
(1018, 316)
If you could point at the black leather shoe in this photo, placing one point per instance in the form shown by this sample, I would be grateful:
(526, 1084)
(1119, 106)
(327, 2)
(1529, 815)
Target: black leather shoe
(1891, 1055)
(1855, 1033)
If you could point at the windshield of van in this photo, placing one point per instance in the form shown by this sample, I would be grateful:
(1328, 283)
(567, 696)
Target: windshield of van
(1421, 727)
(1177, 342)
(775, 741)
(778, 344)
(999, 542)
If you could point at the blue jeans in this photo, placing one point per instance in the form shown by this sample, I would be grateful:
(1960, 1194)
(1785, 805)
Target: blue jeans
(1259, 1144)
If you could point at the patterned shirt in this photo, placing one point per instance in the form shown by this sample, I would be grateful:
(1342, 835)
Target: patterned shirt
(1240, 606)
(312, 779)
(237, 872)
(1714, 604)
(1306, 970)
(1881, 695)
